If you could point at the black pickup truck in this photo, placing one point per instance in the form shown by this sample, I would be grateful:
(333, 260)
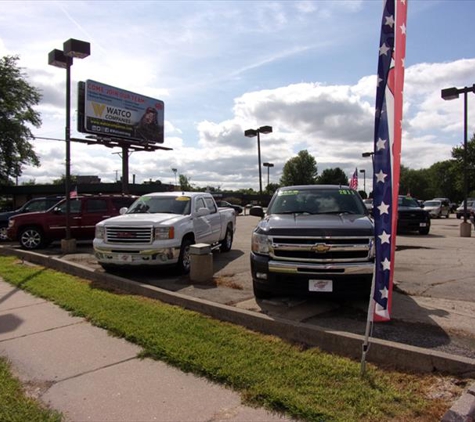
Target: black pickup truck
(315, 239)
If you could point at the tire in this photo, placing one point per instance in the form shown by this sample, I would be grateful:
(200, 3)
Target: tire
(227, 242)
(184, 260)
(259, 293)
(31, 238)
(424, 231)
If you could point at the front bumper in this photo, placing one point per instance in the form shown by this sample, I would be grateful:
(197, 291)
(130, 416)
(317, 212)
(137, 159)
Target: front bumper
(150, 257)
(294, 277)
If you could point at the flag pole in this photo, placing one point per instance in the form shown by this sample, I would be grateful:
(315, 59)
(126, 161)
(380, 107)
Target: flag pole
(369, 327)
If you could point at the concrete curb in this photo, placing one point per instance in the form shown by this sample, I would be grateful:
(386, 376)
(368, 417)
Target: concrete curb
(463, 410)
(404, 357)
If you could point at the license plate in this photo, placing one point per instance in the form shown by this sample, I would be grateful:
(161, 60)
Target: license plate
(320, 285)
(125, 258)
(422, 224)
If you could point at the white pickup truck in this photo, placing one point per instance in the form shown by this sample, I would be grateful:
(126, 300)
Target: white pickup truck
(159, 228)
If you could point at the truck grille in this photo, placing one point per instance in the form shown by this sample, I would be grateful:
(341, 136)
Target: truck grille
(320, 249)
(129, 235)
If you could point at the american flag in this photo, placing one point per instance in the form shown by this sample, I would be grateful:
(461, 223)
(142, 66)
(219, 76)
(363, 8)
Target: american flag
(354, 180)
(387, 150)
(74, 193)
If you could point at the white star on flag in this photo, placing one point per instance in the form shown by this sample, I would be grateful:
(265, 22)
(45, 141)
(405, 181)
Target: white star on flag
(384, 237)
(381, 144)
(386, 264)
(380, 176)
(383, 208)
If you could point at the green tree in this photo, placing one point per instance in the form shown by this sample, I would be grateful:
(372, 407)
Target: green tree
(334, 176)
(459, 168)
(271, 188)
(184, 183)
(300, 170)
(17, 98)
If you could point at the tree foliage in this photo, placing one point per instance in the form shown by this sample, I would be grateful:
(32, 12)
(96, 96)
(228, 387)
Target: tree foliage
(184, 183)
(334, 176)
(300, 170)
(17, 98)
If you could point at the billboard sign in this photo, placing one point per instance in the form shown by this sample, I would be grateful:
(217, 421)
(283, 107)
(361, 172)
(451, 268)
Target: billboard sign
(112, 112)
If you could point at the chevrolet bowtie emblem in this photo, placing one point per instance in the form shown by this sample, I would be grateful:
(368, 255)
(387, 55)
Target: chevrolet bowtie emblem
(320, 248)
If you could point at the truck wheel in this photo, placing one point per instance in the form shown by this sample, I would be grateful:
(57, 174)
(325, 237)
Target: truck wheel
(259, 293)
(184, 260)
(31, 238)
(227, 242)
(424, 230)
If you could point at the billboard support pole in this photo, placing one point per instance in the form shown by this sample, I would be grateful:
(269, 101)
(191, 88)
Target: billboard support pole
(125, 169)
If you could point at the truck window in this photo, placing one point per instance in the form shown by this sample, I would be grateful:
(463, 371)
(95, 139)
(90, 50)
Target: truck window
(96, 205)
(211, 205)
(199, 204)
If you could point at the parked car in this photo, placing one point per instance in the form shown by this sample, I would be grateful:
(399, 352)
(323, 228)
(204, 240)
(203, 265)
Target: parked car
(35, 204)
(411, 217)
(34, 230)
(437, 208)
(226, 204)
(369, 205)
(311, 240)
(159, 229)
(470, 209)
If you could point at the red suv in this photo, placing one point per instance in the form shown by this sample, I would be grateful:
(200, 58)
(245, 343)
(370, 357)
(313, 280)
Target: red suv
(38, 229)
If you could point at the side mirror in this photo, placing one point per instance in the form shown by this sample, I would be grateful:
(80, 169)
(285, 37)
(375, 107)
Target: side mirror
(123, 210)
(202, 212)
(257, 211)
(57, 210)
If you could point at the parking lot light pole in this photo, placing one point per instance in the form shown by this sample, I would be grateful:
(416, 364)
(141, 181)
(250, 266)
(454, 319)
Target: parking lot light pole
(251, 133)
(268, 165)
(452, 94)
(64, 60)
(364, 179)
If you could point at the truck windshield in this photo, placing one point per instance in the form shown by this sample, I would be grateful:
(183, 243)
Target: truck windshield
(318, 201)
(169, 205)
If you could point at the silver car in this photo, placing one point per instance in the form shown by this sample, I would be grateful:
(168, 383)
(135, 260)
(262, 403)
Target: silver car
(437, 208)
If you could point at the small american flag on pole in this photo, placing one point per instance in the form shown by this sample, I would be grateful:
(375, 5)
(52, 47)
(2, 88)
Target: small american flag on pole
(354, 180)
(387, 150)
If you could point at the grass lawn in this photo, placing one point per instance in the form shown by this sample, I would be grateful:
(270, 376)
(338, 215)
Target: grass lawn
(303, 382)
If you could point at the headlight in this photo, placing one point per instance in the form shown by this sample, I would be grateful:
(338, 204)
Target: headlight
(11, 222)
(260, 244)
(100, 232)
(164, 233)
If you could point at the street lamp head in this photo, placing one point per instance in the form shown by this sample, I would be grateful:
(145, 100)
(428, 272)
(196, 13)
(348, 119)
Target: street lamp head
(367, 154)
(449, 94)
(362, 171)
(57, 58)
(268, 164)
(250, 133)
(76, 48)
(265, 129)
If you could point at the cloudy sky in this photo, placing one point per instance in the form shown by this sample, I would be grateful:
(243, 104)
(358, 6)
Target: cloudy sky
(306, 68)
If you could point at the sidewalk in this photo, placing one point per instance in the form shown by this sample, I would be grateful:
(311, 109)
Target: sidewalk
(88, 375)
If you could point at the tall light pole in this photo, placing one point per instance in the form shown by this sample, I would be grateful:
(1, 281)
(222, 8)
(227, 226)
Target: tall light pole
(174, 172)
(452, 94)
(268, 165)
(64, 59)
(366, 155)
(250, 133)
(364, 179)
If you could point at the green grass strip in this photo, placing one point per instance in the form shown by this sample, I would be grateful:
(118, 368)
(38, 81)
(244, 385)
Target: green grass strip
(15, 406)
(304, 383)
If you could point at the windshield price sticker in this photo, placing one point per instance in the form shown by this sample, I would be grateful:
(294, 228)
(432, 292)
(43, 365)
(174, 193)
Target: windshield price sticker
(320, 285)
(346, 192)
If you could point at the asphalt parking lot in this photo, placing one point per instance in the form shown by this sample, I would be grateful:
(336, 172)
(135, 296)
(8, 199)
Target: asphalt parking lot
(433, 303)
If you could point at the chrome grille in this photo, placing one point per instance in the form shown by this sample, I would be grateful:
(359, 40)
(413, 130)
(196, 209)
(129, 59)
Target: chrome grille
(320, 249)
(129, 235)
